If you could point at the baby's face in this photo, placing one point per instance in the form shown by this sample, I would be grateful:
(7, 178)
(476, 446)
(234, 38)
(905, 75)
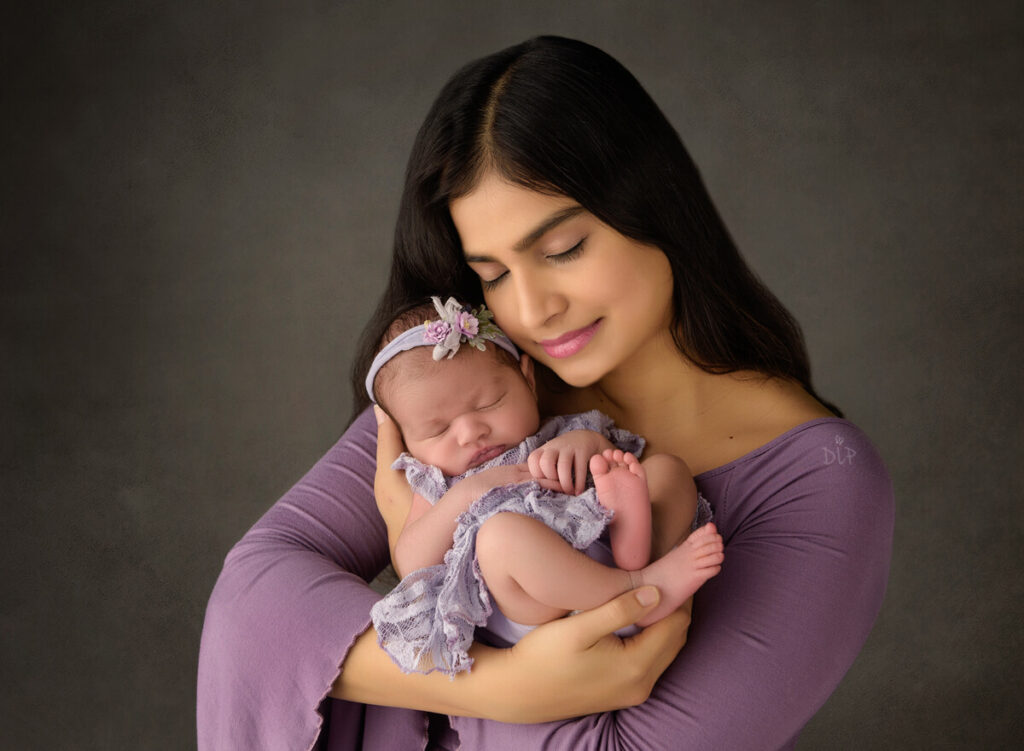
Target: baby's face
(457, 414)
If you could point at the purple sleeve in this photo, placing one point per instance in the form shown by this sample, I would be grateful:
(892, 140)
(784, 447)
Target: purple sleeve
(808, 531)
(291, 599)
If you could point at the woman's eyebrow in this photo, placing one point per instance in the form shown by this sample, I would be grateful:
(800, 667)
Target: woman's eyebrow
(535, 234)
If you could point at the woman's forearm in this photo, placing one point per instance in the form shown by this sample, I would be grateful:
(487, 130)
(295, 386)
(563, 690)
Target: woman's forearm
(563, 669)
(369, 676)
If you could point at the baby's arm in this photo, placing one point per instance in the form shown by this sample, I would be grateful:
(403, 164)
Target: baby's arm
(411, 550)
(428, 531)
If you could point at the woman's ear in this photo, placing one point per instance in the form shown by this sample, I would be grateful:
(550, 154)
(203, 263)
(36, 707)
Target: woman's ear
(526, 366)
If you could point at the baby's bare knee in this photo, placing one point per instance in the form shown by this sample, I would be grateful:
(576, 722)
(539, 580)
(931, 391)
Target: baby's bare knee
(667, 471)
(673, 500)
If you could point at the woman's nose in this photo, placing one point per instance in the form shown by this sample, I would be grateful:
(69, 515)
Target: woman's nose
(538, 301)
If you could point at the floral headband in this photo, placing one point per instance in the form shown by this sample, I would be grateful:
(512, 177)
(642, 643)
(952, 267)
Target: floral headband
(458, 325)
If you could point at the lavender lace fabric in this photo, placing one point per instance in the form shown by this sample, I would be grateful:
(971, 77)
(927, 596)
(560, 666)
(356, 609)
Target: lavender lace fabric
(427, 622)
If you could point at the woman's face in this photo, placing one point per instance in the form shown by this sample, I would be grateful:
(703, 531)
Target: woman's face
(568, 289)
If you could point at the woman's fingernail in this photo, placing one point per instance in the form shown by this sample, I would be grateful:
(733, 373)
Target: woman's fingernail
(647, 596)
(379, 414)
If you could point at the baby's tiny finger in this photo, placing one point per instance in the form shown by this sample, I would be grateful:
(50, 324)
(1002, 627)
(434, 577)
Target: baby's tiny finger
(549, 484)
(533, 462)
(525, 473)
(581, 472)
(547, 464)
(564, 470)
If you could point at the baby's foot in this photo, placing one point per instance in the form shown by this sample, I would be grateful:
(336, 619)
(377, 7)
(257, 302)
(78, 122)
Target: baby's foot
(621, 484)
(619, 478)
(681, 571)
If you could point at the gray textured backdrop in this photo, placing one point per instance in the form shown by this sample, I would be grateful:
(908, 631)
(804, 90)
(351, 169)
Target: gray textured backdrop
(197, 208)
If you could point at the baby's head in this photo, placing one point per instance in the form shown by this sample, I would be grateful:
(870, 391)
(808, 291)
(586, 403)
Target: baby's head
(454, 385)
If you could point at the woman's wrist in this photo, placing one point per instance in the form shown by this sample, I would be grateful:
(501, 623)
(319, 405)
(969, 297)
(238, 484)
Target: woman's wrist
(566, 668)
(503, 685)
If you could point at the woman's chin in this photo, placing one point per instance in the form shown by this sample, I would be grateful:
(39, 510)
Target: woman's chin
(579, 378)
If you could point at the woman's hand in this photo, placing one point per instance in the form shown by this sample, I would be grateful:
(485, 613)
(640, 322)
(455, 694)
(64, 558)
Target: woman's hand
(567, 668)
(577, 666)
(392, 492)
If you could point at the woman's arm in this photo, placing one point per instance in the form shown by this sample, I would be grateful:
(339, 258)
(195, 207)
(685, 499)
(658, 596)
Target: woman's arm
(290, 600)
(565, 668)
(392, 493)
(807, 555)
(291, 609)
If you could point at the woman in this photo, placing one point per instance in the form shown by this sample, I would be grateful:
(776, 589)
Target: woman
(545, 182)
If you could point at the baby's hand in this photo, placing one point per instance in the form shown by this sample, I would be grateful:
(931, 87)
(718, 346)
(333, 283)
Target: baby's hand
(564, 459)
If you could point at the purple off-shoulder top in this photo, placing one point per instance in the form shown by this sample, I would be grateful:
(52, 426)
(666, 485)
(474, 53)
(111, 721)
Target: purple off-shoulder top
(807, 521)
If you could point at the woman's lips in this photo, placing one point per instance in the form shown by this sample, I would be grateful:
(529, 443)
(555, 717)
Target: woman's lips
(569, 344)
(485, 455)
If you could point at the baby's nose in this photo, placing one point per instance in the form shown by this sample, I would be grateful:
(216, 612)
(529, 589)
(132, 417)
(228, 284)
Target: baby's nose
(472, 429)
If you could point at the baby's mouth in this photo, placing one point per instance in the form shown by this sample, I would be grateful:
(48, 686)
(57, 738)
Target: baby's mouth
(485, 455)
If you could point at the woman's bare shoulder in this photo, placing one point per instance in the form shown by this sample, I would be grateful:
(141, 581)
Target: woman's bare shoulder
(750, 411)
(737, 413)
(765, 408)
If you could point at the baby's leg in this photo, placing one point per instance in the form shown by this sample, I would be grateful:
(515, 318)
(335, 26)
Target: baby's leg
(684, 560)
(534, 575)
(680, 572)
(673, 501)
(621, 484)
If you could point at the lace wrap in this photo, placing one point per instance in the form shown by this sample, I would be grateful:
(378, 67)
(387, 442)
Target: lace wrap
(428, 621)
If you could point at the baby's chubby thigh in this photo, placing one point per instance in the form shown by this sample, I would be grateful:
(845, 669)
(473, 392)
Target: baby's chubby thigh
(518, 557)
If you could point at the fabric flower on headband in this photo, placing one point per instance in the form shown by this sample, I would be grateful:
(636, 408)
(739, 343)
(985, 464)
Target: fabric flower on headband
(459, 324)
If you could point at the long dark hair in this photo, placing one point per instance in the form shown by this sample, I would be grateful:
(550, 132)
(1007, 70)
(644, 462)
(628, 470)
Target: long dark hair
(560, 116)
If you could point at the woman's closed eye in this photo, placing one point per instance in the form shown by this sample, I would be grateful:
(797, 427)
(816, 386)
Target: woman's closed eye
(557, 258)
(568, 255)
(489, 284)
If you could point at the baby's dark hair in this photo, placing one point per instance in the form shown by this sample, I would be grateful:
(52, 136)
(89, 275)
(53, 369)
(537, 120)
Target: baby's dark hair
(409, 318)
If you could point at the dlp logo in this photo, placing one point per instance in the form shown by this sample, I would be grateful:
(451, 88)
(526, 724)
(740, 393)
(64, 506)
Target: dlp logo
(840, 454)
